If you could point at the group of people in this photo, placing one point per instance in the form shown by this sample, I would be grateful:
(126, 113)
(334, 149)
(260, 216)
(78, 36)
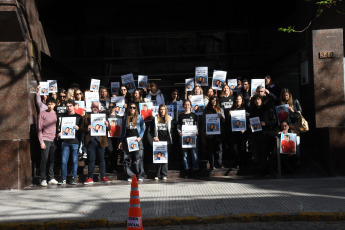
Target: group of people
(162, 127)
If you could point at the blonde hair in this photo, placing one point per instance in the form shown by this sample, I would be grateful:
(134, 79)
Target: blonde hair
(222, 94)
(166, 116)
(70, 93)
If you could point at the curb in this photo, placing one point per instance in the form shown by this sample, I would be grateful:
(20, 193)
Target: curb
(165, 221)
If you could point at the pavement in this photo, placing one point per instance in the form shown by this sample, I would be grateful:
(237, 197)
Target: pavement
(174, 202)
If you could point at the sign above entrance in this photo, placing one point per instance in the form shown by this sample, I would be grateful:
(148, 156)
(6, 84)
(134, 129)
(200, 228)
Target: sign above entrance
(327, 54)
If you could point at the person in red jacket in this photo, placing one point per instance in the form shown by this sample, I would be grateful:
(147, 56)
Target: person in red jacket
(288, 146)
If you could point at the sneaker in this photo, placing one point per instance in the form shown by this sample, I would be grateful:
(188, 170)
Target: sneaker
(165, 178)
(88, 181)
(53, 181)
(156, 178)
(141, 179)
(129, 179)
(44, 183)
(62, 182)
(84, 155)
(104, 179)
(73, 182)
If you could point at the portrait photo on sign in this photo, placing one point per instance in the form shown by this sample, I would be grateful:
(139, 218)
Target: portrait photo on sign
(288, 143)
(282, 112)
(115, 127)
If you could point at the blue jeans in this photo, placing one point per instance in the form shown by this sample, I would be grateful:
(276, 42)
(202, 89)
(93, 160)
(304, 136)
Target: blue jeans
(194, 154)
(134, 161)
(66, 148)
(93, 149)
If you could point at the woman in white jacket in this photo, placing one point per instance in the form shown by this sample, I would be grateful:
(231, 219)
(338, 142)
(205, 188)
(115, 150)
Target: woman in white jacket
(155, 95)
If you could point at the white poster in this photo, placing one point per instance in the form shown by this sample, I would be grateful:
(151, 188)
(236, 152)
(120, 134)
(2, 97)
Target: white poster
(255, 83)
(288, 143)
(197, 104)
(218, 79)
(53, 88)
(99, 127)
(232, 83)
(189, 136)
(89, 98)
(238, 120)
(114, 88)
(67, 127)
(44, 88)
(120, 105)
(142, 81)
(132, 144)
(212, 124)
(160, 152)
(201, 76)
(94, 86)
(255, 124)
(128, 81)
(155, 110)
(189, 84)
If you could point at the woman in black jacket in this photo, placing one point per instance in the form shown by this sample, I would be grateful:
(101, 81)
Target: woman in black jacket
(294, 105)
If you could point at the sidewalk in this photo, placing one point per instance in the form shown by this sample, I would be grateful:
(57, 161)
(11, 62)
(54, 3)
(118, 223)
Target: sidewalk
(175, 201)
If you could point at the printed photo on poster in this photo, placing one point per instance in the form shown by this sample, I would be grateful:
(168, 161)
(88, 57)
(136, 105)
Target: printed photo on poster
(115, 127)
(189, 84)
(189, 136)
(132, 144)
(238, 120)
(201, 76)
(53, 88)
(142, 81)
(218, 79)
(155, 110)
(288, 143)
(255, 83)
(255, 124)
(160, 152)
(128, 81)
(79, 107)
(44, 87)
(232, 83)
(98, 124)
(94, 86)
(67, 127)
(89, 98)
(115, 88)
(119, 105)
(212, 124)
(282, 112)
(146, 110)
(197, 104)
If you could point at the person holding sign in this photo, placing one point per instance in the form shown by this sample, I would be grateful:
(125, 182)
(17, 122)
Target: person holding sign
(214, 142)
(162, 132)
(294, 105)
(264, 140)
(239, 138)
(104, 99)
(95, 144)
(133, 126)
(137, 98)
(188, 118)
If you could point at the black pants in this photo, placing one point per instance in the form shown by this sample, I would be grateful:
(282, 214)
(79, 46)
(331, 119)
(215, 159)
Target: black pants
(162, 168)
(215, 148)
(48, 153)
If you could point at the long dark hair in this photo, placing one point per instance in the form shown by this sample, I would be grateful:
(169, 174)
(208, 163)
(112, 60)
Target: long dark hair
(134, 116)
(209, 107)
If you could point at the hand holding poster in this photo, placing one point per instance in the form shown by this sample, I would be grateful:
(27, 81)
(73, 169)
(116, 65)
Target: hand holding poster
(255, 83)
(115, 88)
(189, 84)
(238, 120)
(288, 143)
(98, 124)
(132, 144)
(255, 124)
(67, 127)
(218, 79)
(201, 76)
(197, 104)
(44, 87)
(189, 136)
(212, 124)
(160, 152)
(282, 112)
(142, 81)
(115, 127)
(94, 86)
(128, 81)
(53, 86)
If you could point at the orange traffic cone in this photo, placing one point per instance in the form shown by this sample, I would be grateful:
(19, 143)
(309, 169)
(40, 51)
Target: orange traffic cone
(134, 220)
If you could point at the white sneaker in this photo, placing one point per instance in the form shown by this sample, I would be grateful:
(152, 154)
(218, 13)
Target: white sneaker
(156, 178)
(141, 179)
(129, 179)
(165, 178)
(53, 181)
(44, 183)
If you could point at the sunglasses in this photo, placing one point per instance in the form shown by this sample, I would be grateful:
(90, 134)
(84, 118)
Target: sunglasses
(61, 96)
(78, 93)
(132, 107)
